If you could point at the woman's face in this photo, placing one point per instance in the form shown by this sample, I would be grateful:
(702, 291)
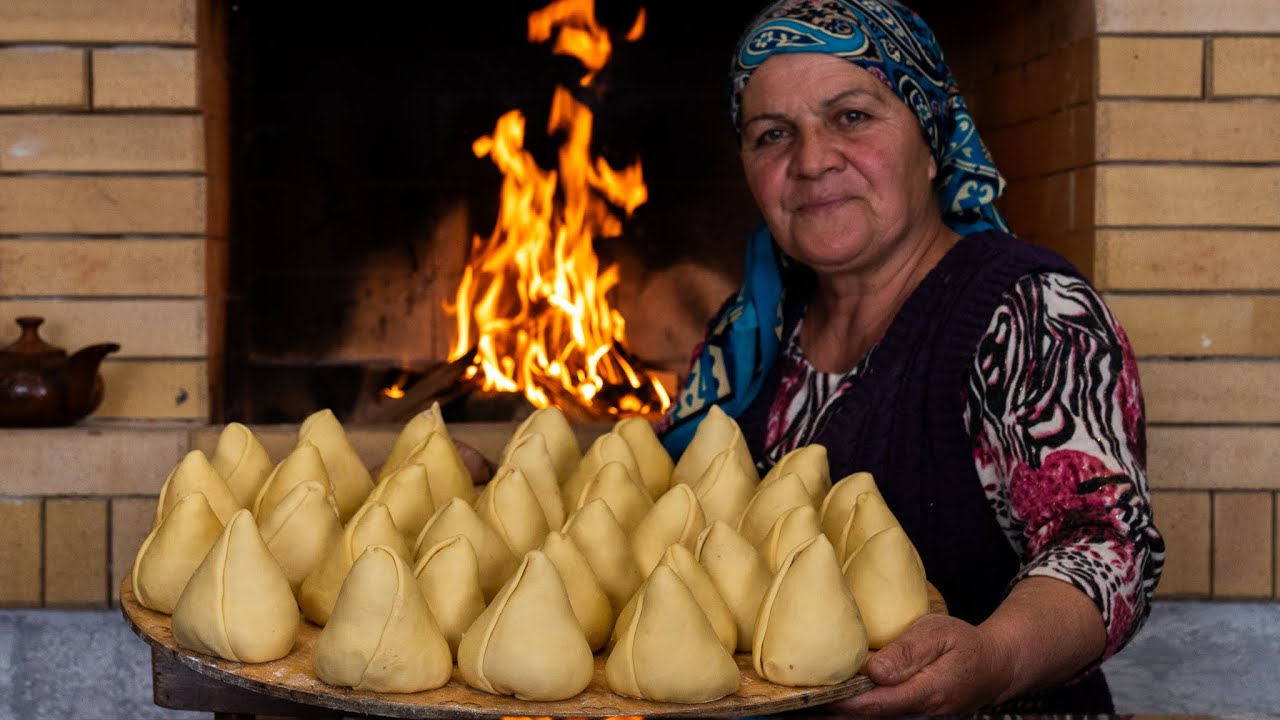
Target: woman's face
(836, 162)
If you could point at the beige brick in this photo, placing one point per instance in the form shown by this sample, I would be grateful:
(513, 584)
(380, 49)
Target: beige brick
(155, 390)
(1242, 545)
(1200, 325)
(97, 143)
(102, 267)
(102, 205)
(1188, 259)
(1150, 67)
(1183, 520)
(42, 77)
(142, 328)
(1217, 458)
(75, 552)
(145, 78)
(1211, 391)
(20, 550)
(130, 524)
(1246, 66)
(1187, 16)
(1241, 131)
(1187, 195)
(92, 458)
(168, 21)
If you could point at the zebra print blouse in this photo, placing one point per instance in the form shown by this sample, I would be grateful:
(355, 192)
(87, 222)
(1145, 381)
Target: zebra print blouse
(1058, 441)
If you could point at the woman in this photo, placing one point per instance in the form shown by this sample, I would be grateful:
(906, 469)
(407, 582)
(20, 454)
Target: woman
(887, 315)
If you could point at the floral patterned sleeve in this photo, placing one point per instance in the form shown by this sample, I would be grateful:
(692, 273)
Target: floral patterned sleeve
(1054, 408)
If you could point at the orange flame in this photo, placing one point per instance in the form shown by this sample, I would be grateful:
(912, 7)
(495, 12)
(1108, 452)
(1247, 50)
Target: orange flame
(533, 300)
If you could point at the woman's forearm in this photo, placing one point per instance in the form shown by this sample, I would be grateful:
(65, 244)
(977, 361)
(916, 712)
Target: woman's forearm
(1047, 632)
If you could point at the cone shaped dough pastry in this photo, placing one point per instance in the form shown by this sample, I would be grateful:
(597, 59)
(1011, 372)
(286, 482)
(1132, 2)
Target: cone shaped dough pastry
(681, 560)
(789, 530)
(347, 473)
(725, 489)
(300, 530)
(371, 525)
(173, 551)
(237, 604)
(651, 457)
(528, 643)
(808, 631)
(530, 456)
(194, 473)
(621, 491)
(449, 578)
(562, 442)
(716, 433)
(407, 495)
(738, 572)
(302, 464)
(412, 435)
(242, 462)
(810, 463)
(509, 505)
(888, 583)
(606, 547)
(608, 448)
(456, 517)
(772, 498)
(838, 505)
(381, 635)
(590, 604)
(447, 475)
(870, 515)
(675, 518)
(668, 652)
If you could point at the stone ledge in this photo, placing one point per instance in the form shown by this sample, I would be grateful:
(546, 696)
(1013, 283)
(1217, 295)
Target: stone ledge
(94, 458)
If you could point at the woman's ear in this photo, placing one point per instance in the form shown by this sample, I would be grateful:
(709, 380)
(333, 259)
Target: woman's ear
(933, 168)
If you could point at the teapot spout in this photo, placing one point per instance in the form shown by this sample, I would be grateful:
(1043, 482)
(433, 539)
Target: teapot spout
(84, 386)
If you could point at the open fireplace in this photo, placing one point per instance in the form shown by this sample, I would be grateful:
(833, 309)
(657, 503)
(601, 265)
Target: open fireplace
(356, 188)
(356, 191)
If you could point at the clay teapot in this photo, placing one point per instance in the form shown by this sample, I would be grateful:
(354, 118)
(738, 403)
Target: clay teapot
(41, 387)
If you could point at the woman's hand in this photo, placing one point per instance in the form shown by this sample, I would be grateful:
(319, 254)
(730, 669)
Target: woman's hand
(941, 664)
(1044, 633)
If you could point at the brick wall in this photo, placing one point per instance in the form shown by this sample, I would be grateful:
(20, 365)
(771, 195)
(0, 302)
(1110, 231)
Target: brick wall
(1187, 217)
(103, 165)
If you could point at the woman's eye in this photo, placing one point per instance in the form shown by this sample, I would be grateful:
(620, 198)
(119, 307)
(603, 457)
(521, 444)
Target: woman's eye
(851, 117)
(769, 137)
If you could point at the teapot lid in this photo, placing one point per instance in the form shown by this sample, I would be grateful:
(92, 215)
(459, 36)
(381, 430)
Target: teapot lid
(29, 343)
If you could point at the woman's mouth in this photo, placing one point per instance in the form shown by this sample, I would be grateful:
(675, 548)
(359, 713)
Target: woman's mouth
(822, 204)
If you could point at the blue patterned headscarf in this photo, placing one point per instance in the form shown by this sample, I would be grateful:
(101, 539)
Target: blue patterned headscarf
(892, 43)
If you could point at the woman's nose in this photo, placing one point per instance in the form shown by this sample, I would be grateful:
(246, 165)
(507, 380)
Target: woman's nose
(815, 154)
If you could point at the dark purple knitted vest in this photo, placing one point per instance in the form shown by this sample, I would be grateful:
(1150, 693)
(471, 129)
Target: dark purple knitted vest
(903, 421)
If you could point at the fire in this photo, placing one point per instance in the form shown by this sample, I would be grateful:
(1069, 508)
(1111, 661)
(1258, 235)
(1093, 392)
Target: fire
(533, 300)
